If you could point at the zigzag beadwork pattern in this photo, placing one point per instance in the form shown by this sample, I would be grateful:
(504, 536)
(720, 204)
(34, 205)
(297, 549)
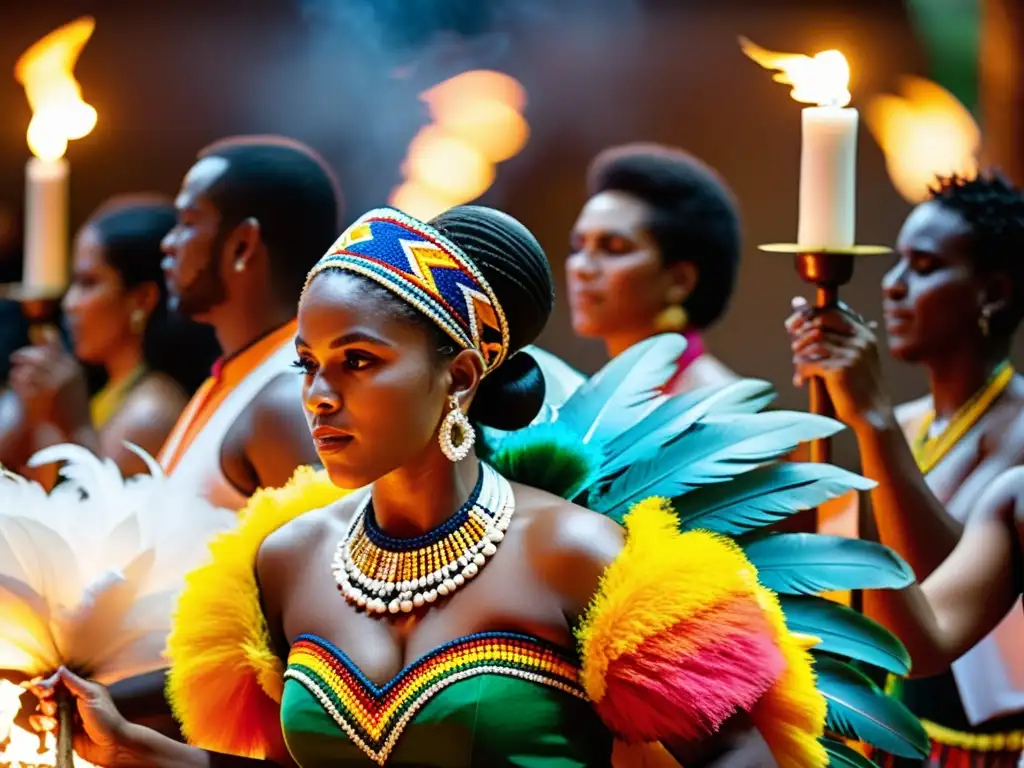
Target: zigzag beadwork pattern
(374, 717)
(417, 263)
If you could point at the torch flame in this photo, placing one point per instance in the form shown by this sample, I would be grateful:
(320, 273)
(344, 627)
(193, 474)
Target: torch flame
(823, 79)
(46, 72)
(924, 132)
(477, 123)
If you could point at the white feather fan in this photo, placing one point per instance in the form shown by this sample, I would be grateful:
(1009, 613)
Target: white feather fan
(90, 573)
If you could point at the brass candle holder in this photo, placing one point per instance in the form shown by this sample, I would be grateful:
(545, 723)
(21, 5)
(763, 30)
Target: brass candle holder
(40, 306)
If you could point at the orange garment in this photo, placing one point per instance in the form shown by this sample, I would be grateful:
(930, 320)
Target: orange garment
(226, 375)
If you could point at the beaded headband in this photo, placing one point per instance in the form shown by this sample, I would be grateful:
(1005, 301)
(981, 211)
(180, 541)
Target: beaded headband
(422, 267)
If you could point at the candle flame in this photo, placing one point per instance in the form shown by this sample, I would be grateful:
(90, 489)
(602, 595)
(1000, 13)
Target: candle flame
(822, 79)
(924, 132)
(46, 71)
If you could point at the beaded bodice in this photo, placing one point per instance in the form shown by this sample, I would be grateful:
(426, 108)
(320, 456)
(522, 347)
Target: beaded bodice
(494, 698)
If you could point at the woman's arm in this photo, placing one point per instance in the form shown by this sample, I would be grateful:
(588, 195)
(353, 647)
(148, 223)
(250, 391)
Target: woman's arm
(737, 744)
(968, 594)
(148, 749)
(145, 419)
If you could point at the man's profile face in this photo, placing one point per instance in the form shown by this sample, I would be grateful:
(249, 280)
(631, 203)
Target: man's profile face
(193, 261)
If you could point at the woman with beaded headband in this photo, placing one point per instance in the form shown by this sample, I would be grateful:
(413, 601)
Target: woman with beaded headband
(453, 613)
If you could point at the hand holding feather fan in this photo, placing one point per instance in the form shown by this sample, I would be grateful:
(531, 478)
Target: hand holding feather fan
(89, 573)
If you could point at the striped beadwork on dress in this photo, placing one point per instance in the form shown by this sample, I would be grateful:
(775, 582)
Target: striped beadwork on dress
(375, 716)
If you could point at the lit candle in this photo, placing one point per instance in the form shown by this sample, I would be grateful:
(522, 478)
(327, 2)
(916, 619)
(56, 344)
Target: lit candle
(58, 115)
(45, 266)
(828, 156)
(828, 178)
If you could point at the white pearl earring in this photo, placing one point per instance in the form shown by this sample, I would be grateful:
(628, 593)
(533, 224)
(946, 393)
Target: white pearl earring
(456, 421)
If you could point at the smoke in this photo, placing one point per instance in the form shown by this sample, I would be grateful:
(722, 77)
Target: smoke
(349, 80)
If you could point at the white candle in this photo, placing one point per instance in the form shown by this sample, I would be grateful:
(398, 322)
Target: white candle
(46, 225)
(828, 178)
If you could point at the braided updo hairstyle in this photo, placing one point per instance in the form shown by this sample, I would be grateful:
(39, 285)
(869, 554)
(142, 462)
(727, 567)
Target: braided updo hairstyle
(517, 269)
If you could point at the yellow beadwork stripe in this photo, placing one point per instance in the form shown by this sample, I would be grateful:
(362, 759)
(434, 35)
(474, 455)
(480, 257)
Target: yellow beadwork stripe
(1012, 741)
(374, 716)
(930, 451)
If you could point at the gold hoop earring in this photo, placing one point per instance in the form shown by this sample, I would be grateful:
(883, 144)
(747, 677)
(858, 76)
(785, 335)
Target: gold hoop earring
(137, 321)
(456, 421)
(671, 319)
(983, 324)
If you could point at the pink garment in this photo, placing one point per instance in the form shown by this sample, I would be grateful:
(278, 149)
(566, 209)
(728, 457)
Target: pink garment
(694, 349)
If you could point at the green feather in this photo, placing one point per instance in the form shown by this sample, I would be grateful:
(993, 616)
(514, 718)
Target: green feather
(546, 456)
(763, 496)
(842, 756)
(857, 709)
(845, 632)
(810, 563)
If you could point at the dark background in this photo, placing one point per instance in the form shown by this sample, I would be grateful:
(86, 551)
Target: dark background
(169, 77)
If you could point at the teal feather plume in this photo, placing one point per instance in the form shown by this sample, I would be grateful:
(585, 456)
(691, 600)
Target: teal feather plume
(618, 439)
(842, 756)
(671, 419)
(763, 496)
(810, 563)
(844, 632)
(858, 709)
(710, 453)
(622, 392)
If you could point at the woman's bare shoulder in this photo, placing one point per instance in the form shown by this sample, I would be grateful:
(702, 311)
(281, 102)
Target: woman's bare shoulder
(568, 547)
(156, 400)
(304, 532)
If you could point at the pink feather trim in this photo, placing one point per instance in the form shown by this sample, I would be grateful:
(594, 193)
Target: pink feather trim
(669, 690)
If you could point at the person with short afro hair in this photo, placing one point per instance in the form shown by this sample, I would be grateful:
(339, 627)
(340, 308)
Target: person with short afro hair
(949, 466)
(655, 249)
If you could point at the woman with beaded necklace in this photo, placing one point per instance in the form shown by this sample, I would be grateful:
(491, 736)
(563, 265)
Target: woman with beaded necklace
(377, 626)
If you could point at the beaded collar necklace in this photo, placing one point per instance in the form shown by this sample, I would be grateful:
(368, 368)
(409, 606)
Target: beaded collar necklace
(382, 574)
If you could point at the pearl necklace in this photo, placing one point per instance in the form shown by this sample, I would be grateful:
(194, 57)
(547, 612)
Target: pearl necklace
(383, 574)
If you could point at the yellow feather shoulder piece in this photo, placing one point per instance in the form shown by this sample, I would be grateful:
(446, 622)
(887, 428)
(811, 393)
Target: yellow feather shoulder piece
(225, 681)
(681, 636)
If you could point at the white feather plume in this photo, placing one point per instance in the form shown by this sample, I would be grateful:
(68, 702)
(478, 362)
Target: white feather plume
(90, 572)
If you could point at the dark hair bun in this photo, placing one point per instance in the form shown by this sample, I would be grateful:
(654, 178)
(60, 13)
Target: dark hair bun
(517, 269)
(511, 396)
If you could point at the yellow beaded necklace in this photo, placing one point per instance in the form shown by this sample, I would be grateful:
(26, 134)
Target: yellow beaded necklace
(929, 451)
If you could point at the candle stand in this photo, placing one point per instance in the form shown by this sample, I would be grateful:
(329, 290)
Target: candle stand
(40, 306)
(827, 270)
